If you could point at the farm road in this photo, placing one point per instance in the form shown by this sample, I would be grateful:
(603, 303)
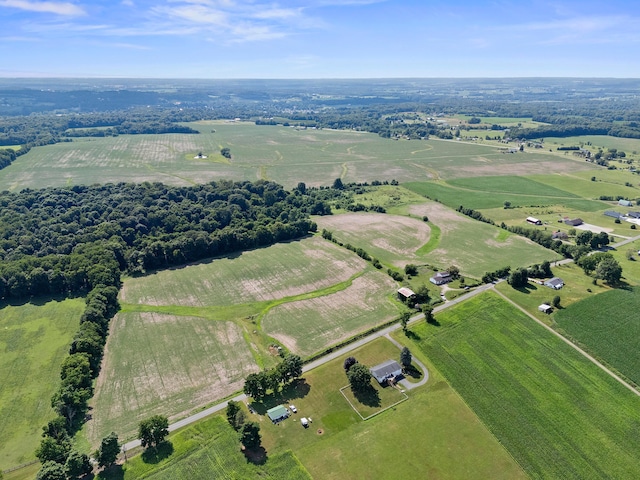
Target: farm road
(571, 344)
(321, 361)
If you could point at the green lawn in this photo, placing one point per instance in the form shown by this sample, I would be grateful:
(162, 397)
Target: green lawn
(608, 326)
(557, 414)
(34, 339)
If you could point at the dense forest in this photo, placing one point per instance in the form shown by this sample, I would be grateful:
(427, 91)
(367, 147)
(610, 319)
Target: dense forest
(65, 240)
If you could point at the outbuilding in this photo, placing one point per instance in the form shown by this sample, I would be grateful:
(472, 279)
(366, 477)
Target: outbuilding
(556, 283)
(406, 294)
(545, 308)
(624, 203)
(440, 278)
(278, 413)
(534, 221)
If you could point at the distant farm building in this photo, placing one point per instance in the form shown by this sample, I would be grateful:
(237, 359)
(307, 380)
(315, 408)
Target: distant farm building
(611, 213)
(625, 203)
(574, 222)
(534, 221)
(544, 308)
(635, 215)
(440, 278)
(386, 371)
(406, 294)
(278, 413)
(556, 283)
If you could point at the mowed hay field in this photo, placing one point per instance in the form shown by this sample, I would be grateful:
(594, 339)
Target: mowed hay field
(608, 326)
(558, 414)
(164, 364)
(277, 271)
(285, 155)
(306, 326)
(34, 340)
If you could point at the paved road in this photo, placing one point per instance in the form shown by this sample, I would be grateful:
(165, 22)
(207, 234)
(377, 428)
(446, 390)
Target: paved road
(321, 361)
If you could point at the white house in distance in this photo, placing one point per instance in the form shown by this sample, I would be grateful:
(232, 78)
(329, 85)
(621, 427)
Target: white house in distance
(440, 278)
(556, 283)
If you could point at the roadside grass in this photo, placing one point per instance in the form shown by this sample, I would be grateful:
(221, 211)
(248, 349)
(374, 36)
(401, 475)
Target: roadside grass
(280, 270)
(607, 326)
(541, 399)
(34, 340)
(163, 364)
(205, 450)
(439, 422)
(577, 287)
(454, 196)
(306, 326)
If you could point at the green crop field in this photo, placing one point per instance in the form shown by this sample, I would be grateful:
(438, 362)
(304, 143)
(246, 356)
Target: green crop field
(585, 188)
(163, 364)
(543, 401)
(34, 339)
(283, 154)
(454, 195)
(608, 326)
(306, 326)
(510, 185)
(206, 450)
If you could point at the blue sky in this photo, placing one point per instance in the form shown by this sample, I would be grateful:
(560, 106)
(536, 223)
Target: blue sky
(319, 38)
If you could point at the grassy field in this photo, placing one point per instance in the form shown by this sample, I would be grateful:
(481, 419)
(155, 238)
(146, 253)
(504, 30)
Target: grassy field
(607, 326)
(432, 433)
(306, 326)
(283, 154)
(34, 339)
(207, 450)
(586, 188)
(542, 400)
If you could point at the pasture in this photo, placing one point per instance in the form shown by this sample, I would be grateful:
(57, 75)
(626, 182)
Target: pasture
(608, 326)
(162, 364)
(283, 154)
(542, 400)
(34, 340)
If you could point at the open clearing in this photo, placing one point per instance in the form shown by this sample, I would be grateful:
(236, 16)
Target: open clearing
(278, 271)
(306, 326)
(608, 326)
(163, 364)
(543, 401)
(34, 339)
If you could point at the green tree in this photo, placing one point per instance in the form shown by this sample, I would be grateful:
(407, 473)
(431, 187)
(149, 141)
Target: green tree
(233, 408)
(51, 471)
(250, 435)
(337, 184)
(56, 428)
(302, 187)
(454, 272)
(404, 320)
(52, 450)
(519, 278)
(153, 431)
(348, 363)
(108, 451)
(556, 301)
(427, 310)
(410, 269)
(255, 385)
(292, 366)
(405, 357)
(609, 270)
(359, 377)
(78, 464)
(225, 152)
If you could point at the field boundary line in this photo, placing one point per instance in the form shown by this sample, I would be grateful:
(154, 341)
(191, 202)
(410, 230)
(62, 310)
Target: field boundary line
(573, 345)
(406, 397)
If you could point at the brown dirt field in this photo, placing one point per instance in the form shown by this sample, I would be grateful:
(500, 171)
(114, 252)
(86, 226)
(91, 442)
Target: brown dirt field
(442, 216)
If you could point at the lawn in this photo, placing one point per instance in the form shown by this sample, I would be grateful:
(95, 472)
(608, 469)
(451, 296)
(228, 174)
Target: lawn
(208, 450)
(557, 414)
(34, 340)
(608, 326)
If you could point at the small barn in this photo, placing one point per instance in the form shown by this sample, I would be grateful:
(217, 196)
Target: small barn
(556, 283)
(440, 278)
(278, 413)
(573, 222)
(613, 214)
(545, 308)
(534, 221)
(405, 294)
(624, 203)
(386, 371)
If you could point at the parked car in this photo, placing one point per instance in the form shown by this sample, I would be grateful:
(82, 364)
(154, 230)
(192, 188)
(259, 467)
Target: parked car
(293, 408)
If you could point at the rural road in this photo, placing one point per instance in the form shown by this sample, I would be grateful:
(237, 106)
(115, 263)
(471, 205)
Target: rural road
(321, 361)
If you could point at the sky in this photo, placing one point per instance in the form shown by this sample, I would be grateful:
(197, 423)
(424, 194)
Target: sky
(222, 39)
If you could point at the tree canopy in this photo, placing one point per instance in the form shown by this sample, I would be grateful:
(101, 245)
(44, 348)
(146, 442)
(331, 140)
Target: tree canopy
(153, 431)
(359, 377)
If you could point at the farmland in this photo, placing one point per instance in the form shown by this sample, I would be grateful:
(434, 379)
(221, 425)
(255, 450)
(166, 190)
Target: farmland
(607, 326)
(34, 339)
(541, 399)
(283, 154)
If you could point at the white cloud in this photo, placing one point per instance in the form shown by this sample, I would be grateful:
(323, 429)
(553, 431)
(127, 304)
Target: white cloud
(59, 8)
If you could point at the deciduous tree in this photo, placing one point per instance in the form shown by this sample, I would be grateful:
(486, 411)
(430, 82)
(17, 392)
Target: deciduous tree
(405, 357)
(359, 377)
(153, 430)
(250, 435)
(108, 451)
